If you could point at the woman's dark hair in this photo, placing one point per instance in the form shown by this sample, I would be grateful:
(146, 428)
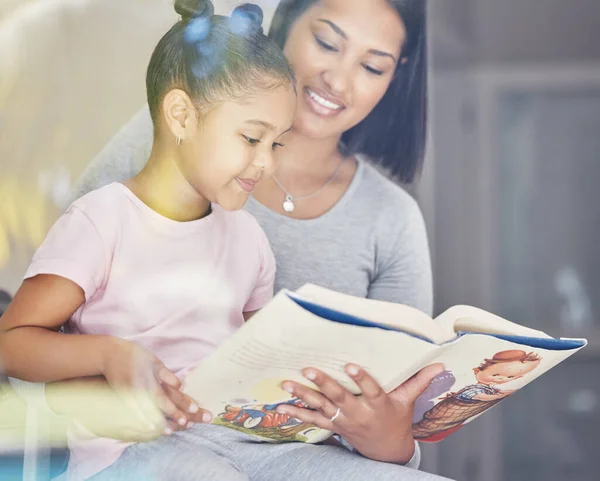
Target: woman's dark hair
(5, 299)
(393, 135)
(214, 58)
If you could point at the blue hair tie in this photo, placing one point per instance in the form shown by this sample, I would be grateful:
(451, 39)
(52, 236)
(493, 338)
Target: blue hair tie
(197, 30)
(246, 19)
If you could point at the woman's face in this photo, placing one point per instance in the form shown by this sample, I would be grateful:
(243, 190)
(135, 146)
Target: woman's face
(344, 53)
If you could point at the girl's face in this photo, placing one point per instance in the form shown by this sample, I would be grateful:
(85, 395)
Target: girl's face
(344, 53)
(233, 144)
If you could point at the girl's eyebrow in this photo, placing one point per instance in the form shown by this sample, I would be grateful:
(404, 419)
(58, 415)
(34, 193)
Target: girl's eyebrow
(265, 124)
(342, 34)
(262, 123)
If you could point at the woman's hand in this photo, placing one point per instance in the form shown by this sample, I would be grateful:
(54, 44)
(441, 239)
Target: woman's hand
(141, 378)
(376, 424)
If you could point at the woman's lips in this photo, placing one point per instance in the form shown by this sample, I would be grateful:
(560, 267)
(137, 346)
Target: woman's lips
(319, 104)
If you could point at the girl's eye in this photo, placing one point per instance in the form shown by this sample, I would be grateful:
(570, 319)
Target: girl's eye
(325, 45)
(372, 70)
(250, 140)
(277, 144)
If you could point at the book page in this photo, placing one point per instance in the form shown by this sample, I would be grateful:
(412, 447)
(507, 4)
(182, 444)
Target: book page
(397, 316)
(481, 371)
(241, 382)
(472, 319)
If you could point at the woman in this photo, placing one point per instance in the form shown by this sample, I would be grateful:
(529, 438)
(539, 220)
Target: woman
(332, 219)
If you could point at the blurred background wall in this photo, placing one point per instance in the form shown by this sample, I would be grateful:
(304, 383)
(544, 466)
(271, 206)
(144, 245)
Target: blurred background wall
(512, 203)
(509, 191)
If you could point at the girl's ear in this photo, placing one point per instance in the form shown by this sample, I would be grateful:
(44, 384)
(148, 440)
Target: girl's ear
(180, 114)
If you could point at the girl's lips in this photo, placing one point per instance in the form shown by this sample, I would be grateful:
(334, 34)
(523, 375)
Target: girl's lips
(246, 184)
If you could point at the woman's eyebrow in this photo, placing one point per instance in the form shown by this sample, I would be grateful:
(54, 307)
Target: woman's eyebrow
(381, 53)
(342, 34)
(335, 28)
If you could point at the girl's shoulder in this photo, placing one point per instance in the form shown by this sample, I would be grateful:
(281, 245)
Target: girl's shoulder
(103, 207)
(102, 201)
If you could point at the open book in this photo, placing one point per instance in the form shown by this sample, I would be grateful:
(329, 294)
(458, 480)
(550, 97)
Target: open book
(487, 358)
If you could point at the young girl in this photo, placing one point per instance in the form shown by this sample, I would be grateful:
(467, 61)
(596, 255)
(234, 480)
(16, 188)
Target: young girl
(150, 275)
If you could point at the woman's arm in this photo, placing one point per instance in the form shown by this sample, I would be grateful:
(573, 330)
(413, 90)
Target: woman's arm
(403, 274)
(122, 158)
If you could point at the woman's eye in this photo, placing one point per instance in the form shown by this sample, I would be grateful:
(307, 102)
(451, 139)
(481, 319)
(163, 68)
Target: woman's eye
(325, 45)
(372, 70)
(250, 140)
(277, 144)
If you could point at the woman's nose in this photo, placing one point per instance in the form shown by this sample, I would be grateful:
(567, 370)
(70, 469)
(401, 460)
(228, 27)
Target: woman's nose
(265, 161)
(338, 77)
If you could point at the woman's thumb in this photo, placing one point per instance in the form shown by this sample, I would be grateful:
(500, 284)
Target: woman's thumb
(417, 384)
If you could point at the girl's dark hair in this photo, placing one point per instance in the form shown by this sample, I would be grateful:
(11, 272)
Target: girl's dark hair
(214, 58)
(393, 135)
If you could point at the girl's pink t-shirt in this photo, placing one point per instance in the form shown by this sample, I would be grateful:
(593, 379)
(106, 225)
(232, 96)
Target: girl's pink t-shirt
(176, 288)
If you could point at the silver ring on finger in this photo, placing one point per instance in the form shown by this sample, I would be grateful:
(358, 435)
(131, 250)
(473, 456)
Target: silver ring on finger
(335, 416)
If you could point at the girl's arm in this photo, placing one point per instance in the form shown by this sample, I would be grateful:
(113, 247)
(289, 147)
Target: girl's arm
(31, 347)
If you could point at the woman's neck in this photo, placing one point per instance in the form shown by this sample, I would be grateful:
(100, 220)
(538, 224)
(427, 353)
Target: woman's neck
(163, 188)
(306, 157)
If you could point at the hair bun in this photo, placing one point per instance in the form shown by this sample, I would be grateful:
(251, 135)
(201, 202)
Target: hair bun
(189, 9)
(247, 18)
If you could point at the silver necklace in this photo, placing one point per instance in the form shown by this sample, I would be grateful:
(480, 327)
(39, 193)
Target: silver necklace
(289, 201)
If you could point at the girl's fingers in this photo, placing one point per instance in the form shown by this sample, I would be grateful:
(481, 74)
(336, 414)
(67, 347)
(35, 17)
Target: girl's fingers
(168, 407)
(187, 405)
(166, 376)
(172, 427)
(141, 407)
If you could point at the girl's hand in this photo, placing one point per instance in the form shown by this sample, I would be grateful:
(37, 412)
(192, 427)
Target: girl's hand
(376, 424)
(103, 411)
(136, 373)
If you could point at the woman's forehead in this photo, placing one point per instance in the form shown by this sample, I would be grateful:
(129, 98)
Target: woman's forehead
(374, 22)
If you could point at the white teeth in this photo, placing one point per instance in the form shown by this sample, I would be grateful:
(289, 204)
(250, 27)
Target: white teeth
(323, 102)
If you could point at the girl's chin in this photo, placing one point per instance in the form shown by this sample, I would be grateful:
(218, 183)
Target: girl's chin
(234, 204)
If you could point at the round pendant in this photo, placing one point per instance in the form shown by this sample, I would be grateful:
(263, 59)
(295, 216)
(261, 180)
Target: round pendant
(288, 205)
